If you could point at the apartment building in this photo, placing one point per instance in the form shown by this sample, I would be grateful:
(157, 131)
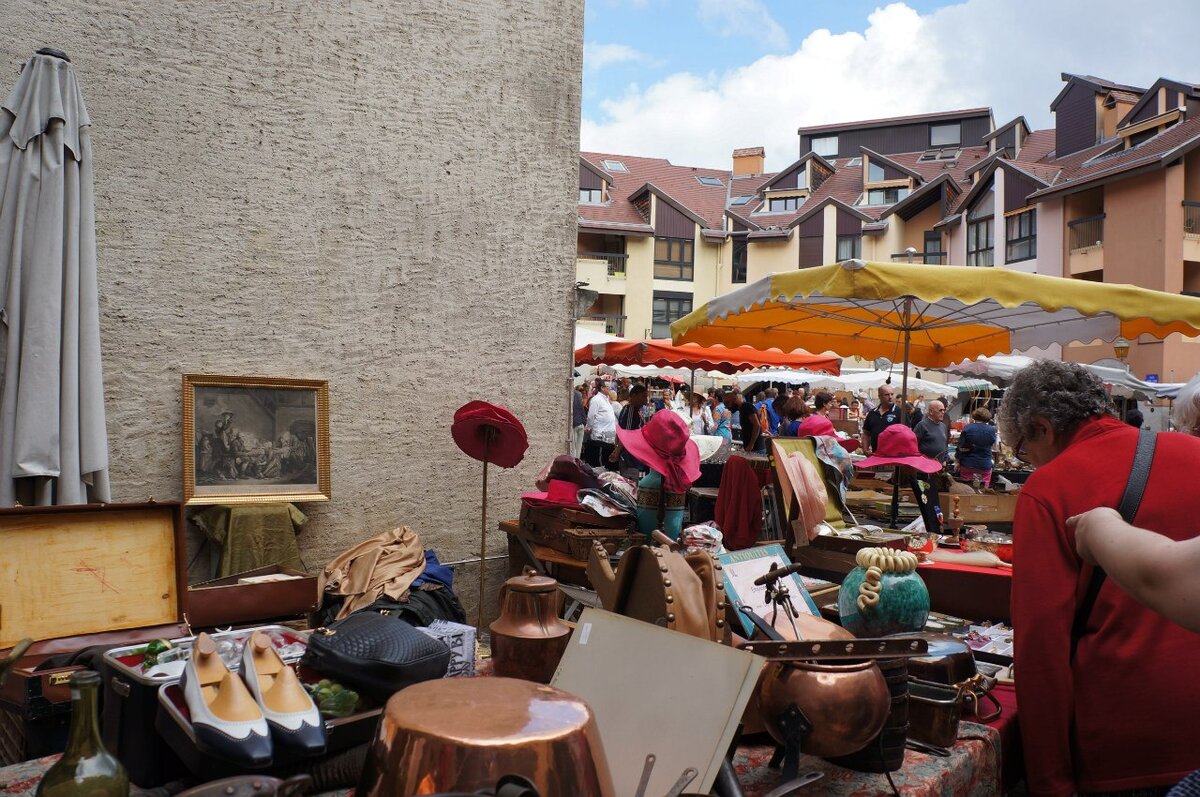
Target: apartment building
(1110, 193)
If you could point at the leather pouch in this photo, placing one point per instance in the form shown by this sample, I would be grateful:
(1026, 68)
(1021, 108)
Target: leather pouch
(376, 654)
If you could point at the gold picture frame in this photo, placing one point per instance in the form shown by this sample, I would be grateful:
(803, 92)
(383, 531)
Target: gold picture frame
(255, 439)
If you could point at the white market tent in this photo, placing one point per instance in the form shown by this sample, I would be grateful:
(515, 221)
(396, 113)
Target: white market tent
(1003, 368)
(863, 381)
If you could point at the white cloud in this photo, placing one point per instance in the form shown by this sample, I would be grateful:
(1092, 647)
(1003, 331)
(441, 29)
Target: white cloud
(980, 52)
(748, 18)
(598, 56)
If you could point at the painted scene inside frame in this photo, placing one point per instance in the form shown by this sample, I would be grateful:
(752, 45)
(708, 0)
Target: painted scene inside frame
(255, 440)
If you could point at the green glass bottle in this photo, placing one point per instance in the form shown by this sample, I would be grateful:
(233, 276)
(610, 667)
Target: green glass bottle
(86, 769)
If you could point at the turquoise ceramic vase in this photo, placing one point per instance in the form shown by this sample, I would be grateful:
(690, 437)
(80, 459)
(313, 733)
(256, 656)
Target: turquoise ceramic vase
(883, 595)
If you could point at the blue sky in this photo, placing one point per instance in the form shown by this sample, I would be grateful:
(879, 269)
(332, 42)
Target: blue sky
(691, 80)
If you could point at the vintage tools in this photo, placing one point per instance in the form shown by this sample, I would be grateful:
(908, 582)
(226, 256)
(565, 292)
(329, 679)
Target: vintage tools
(528, 639)
(823, 692)
(463, 734)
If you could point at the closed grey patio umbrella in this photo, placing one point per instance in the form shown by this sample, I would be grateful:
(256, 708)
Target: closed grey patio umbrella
(53, 444)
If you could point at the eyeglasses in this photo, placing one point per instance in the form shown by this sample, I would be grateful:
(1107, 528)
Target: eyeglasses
(1019, 451)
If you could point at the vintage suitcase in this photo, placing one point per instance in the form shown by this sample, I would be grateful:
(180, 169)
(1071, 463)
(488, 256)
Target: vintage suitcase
(74, 578)
(225, 602)
(131, 706)
(546, 525)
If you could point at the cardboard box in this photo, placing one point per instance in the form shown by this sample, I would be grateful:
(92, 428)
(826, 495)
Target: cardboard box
(982, 507)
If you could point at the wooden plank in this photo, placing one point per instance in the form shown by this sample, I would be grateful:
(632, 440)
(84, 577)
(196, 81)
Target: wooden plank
(63, 574)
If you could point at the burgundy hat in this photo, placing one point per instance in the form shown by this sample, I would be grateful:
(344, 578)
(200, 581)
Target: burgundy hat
(558, 493)
(820, 426)
(479, 426)
(898, 446)
(665, 445)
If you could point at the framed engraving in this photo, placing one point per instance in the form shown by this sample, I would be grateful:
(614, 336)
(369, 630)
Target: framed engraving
(253, 439)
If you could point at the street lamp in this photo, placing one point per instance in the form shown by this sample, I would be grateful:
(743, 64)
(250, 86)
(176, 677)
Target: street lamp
(1121, 348)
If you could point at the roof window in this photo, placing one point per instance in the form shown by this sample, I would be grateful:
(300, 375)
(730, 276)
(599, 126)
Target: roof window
(854, 162)
(615, 166)
(943, 154)
(713, 181)
(740, 200)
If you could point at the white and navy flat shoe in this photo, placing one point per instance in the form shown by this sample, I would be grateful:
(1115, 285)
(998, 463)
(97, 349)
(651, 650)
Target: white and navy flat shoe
(294, 719)
(226, 719)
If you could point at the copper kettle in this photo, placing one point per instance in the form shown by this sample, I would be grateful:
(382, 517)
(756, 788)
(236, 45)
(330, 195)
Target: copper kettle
(528, 638)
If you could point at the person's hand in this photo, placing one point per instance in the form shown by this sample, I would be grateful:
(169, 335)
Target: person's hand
(1085, 526)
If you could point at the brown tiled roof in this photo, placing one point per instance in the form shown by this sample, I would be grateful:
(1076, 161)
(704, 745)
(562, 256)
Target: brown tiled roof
(1038, 145)
(1124, 96)
(677, 182)
(1108, 159)
(928, 170)
(897, 120)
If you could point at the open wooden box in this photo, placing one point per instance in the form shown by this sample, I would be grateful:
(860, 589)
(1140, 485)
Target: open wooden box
(75, 577)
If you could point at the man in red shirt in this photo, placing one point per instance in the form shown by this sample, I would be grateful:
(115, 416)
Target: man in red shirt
(1115, 717)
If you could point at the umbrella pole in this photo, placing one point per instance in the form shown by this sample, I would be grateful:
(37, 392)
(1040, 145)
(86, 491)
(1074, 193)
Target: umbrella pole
(896, 496)
(904, 373)
(692, 389)
(487, 438)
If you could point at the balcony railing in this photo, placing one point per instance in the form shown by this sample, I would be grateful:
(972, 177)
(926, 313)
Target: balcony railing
(613, 324)
(929, 258)
(1086, 232)
(616, 262)
(1191, 218)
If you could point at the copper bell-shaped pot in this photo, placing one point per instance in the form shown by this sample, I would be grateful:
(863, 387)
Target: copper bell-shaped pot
(529, 639)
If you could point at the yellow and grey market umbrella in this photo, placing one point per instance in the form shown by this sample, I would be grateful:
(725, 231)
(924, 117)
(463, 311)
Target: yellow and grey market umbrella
(931, 316)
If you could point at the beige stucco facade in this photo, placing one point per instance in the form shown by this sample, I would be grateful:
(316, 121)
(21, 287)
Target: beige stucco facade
(329, 191)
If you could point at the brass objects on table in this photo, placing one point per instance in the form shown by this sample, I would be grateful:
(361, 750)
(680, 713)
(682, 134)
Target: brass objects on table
(681, 592)
(464, 734)
(528, 639)
(844, 704)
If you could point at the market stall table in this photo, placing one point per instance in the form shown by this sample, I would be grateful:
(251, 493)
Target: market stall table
(971, 770)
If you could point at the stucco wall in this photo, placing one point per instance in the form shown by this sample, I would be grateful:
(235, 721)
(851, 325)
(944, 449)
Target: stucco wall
(376, 195)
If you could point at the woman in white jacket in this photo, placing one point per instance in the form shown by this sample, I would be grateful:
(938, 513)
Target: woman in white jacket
(601, 429)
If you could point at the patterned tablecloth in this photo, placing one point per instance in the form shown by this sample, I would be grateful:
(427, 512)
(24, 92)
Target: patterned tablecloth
(972, 770)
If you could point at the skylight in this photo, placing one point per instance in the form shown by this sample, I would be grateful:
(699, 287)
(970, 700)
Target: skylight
(854, 162)
(713, 181)
(614, 166)
(740, 200)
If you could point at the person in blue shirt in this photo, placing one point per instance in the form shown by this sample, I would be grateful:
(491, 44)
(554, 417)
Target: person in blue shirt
(975, 444)
(768, 401)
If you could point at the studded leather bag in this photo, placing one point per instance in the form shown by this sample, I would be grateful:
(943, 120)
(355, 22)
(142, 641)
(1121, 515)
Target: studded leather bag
(376, 654)
(657, 585)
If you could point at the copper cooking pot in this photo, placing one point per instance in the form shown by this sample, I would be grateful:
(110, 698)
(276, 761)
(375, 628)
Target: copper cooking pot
(464, 734)
(846, 703)
(529, 639)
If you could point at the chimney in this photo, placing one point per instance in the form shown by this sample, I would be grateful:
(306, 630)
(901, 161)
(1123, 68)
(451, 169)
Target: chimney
(749, 161)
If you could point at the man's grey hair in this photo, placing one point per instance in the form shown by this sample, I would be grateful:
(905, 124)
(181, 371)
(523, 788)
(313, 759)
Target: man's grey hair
(1065, 394)
(772, 392)
(1186, 412)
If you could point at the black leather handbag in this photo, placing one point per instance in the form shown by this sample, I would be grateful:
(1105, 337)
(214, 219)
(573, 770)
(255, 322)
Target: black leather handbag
(376, 654)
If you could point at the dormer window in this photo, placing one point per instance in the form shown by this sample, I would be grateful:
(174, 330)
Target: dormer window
(591, 196)
(614, 166)
(947, 135)
(875, 173)
(780, 204)
(825, 146)
(886, 196)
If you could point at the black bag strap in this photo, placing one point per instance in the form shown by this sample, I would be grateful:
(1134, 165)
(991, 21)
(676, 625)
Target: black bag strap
(1135, 488)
